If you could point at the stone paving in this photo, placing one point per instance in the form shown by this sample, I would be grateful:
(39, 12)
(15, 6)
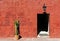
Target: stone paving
(41, 38)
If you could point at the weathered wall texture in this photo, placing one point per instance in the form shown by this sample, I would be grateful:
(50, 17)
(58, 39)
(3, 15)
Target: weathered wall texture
(26, 12)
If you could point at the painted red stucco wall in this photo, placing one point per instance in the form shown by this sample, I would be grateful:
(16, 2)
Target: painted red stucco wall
(26, 12)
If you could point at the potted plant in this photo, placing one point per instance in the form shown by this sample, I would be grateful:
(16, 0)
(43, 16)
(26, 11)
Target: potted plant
(16, 30)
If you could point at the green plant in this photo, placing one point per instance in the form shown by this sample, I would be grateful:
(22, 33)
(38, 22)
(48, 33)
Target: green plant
(16, 27)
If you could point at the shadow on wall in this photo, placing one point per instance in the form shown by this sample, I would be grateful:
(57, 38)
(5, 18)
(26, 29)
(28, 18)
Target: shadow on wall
(19, 30)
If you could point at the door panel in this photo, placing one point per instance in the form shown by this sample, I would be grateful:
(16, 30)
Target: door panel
(42, 22)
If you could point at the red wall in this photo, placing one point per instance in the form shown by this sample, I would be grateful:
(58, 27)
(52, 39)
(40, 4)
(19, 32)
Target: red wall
(26, 12)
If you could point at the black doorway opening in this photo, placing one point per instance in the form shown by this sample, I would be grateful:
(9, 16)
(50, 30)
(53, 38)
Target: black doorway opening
(42, 22)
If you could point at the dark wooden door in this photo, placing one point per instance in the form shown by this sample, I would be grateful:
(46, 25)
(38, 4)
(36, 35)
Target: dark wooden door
(42, 22)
